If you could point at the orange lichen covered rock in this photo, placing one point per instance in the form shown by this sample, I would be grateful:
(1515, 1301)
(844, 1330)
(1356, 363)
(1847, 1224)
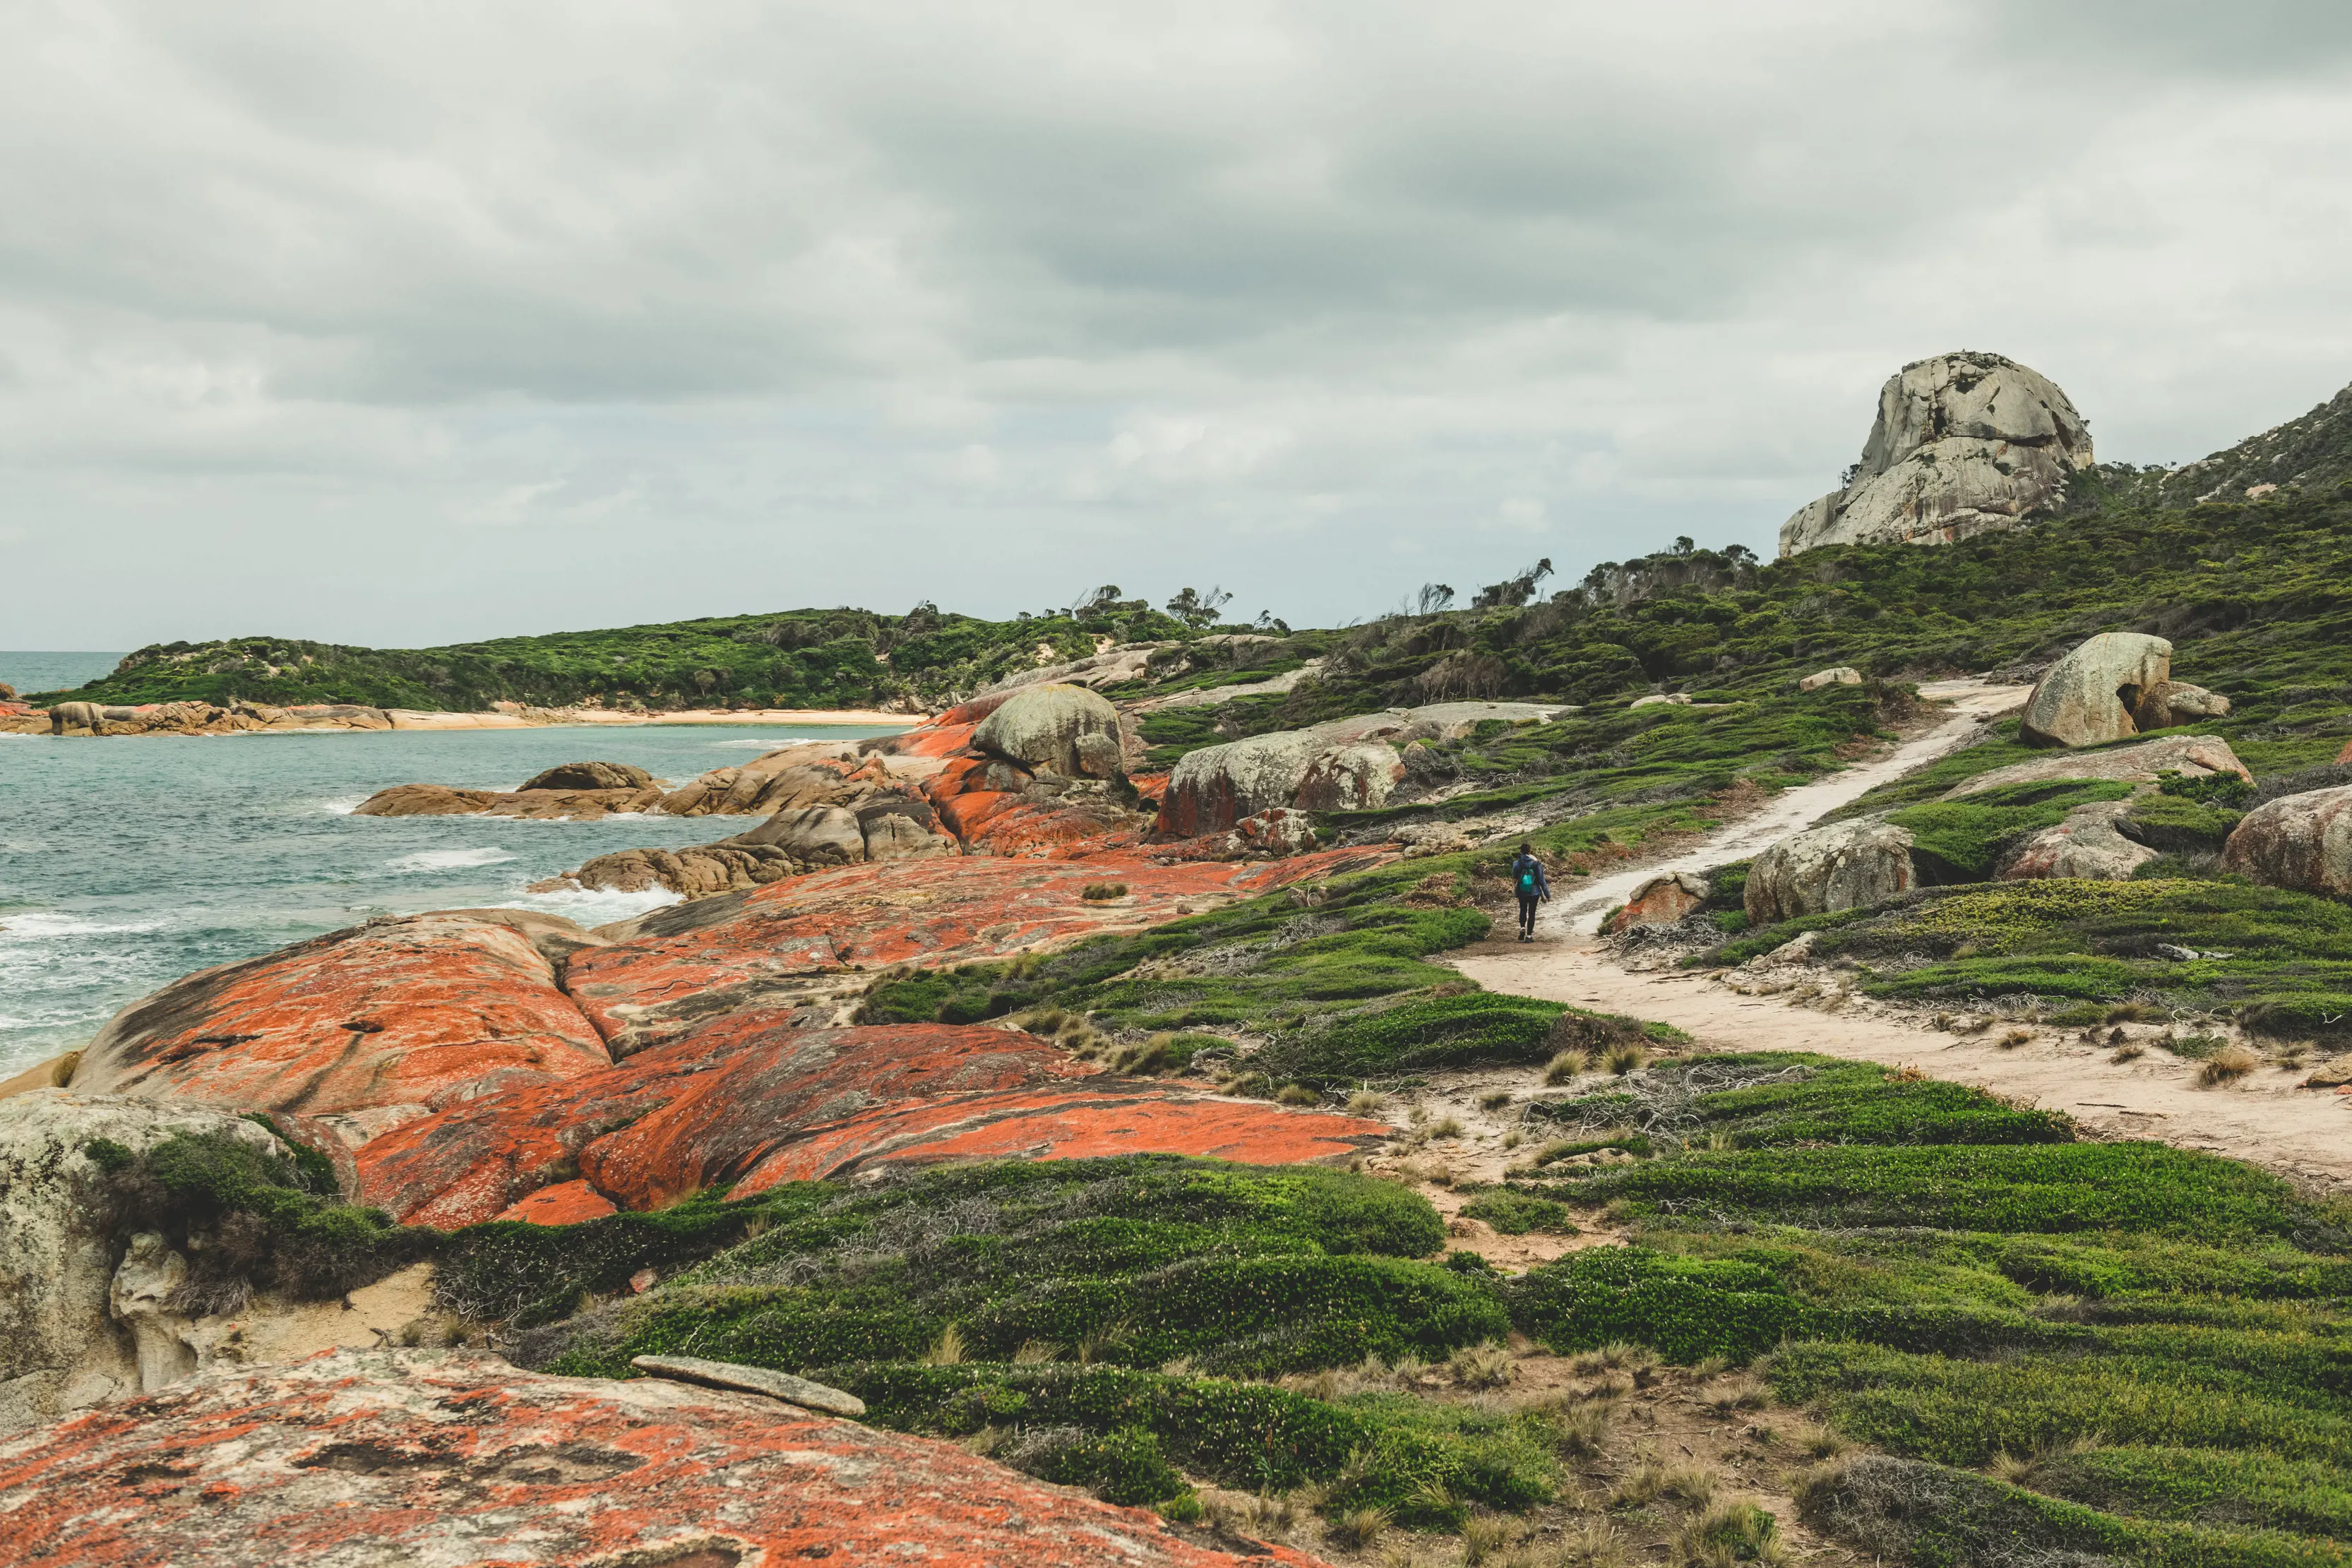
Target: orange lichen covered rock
(701, 1110)
(1108, 1116)
(664, 972)
(422, 1011)
(462, 1460)
(565, 1203)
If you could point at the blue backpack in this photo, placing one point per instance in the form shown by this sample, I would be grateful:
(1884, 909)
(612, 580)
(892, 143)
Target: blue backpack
(1527, 877)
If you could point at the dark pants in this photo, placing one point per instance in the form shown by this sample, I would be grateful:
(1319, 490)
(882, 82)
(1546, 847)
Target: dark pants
(1526, 914)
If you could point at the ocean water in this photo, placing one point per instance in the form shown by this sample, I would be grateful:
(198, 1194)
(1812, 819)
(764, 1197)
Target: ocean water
(52, 671)
(128, 862)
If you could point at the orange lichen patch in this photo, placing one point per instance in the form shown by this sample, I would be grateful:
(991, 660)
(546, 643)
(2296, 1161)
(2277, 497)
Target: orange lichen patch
(566, 1203)
(1111, 1116)
(667, 971)
(460, 1459)
(430, 1011)
(698, 1111)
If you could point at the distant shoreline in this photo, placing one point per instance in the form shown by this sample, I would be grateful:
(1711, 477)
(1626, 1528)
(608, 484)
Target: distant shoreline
(348, 720)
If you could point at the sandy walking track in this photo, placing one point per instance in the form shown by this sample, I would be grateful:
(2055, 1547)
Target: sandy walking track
(2304, 1134)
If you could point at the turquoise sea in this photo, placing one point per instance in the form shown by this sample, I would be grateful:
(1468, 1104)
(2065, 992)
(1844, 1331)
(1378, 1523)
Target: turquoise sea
(128, 862)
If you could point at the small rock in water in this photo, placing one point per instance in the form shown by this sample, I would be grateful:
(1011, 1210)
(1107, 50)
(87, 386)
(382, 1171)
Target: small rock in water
(781, 1385)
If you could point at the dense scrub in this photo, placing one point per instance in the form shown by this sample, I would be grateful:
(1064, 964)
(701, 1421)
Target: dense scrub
(1089, 1316)
(2145, 1346)
(248, 1220)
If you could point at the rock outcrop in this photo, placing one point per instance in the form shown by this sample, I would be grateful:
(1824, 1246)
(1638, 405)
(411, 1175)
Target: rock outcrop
(359, 1029)
(1844, 865)
(665, 971)
(1964, 443)
(1349, 764)
(590, 775)
(2190, 756)
(2299, 842)
(763, 1096)
(459, 1458)
(2087, 845)
(1663, 901)
(78, 1318)
(2106, 689)
(544, 805)
(1837, 675)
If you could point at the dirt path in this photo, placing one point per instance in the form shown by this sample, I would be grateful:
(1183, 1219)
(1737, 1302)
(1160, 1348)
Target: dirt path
(1973, 702)
(2302, 1133)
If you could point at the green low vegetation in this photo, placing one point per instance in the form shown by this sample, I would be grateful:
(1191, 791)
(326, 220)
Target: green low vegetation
(2146, 1346)
(1329, 986)
(2278, 962)
(247, 1219)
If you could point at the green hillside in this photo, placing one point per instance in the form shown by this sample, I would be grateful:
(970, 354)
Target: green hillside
(800, 658)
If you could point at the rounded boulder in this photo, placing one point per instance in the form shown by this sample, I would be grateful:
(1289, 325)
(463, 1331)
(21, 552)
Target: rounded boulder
(2303, 842)
(1053, 728)
(1823, 870)
(590, 775)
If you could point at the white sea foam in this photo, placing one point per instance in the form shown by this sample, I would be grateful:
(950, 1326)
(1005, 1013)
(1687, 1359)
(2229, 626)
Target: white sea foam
(342, 805)
(584, 907)
(54, 924)
(449, 860)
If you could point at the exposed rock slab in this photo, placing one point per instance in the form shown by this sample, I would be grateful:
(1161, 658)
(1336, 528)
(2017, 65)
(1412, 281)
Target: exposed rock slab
(463, 1462)
(416, 1012)
(2190, 756)
(61, 1347)
(800, 1391)
(705, 1108)
(2299, 842)
(543, 805)
(1964, 443)
(1844, 865)
(2100, 692)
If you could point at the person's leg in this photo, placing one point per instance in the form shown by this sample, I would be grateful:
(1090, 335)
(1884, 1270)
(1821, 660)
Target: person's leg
(1527, 916)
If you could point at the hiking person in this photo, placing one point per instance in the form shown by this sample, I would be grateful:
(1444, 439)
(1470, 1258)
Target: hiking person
(1528, 876)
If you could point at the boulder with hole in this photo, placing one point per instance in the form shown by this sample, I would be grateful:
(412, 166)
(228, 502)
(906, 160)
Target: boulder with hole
(2098, 693)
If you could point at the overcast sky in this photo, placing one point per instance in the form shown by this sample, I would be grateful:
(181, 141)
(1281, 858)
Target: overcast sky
(403, 324)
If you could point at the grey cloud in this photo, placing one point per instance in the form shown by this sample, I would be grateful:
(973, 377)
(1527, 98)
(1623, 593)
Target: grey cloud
(578, 305)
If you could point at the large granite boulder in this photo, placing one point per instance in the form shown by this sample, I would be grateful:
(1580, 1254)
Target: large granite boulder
(1823, 870)
(590, 775)
(2099, 692)
(462, 1460)
(2088, 844)
(1964, 443)
(1048, 730)
(63, 1345)
(2190, 756)
(2299, 842)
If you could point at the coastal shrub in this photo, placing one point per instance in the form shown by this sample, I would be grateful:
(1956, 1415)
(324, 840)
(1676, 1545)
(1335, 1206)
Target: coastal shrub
(1909, 1509)
(1425, 1464)
(247, 1219)
(1993, 1188)
(2281, 960)
(1141, 1259)
(1517, 1213)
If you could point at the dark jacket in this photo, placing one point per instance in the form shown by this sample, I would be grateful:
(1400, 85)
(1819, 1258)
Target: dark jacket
(1519, 868)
